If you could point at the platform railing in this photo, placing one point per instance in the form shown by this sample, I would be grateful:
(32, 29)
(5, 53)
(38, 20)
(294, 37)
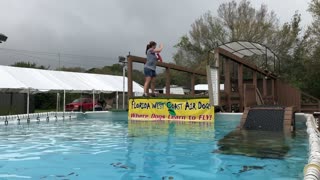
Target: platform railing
(309, 103)
(275, 92)
(168, 67)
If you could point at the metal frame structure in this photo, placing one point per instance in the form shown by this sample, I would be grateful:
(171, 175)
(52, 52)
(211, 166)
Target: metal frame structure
(233, 66)
(246, 49)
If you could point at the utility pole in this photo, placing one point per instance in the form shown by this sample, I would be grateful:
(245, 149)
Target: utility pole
(123, 61)
(59, 61)
(123, 90)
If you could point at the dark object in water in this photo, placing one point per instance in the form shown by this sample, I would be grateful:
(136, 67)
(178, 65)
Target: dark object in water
(260, 144)
(141, 176)
(72, 173)
(60, 176)
(166, 177)
(124, 167)
(249, 168)
(119, 165)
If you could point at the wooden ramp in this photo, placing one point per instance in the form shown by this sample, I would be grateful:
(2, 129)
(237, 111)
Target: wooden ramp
(269, 118)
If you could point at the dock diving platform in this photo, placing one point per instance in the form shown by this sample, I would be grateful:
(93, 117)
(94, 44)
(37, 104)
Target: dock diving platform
(235, 83)
(169, 107)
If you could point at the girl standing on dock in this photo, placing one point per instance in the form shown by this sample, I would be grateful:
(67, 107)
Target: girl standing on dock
(150, 67)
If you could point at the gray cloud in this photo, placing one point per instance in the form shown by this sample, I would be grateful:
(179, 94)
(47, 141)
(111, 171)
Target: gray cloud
(106, 28)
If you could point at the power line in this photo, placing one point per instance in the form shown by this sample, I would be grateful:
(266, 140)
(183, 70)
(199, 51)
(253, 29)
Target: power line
(96, 58)
(39, 59)
(57, 57)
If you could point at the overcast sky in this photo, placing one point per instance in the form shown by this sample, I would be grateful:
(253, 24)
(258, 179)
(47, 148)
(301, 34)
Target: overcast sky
(106, 28)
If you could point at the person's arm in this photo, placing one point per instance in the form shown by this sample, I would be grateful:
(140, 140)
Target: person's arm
(159, 49)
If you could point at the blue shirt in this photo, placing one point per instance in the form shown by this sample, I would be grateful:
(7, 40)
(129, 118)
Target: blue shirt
(151, 60)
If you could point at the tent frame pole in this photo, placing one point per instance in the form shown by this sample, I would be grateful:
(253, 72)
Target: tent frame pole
(81, 106)
(124, 84)
(57, 105)
(11, 102)
(64, 101)
(117, 96)
(28, 102)
(93, 100)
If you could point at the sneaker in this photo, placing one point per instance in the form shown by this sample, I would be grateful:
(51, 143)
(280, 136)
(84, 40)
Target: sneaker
(153, 95)
(145, 95)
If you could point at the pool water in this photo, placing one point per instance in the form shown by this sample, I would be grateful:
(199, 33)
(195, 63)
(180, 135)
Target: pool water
(110, 148)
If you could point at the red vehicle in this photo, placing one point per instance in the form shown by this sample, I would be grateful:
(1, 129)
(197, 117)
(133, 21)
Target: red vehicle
(82, 104)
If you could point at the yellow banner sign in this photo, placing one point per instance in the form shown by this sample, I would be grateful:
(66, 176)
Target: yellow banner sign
(193, 110)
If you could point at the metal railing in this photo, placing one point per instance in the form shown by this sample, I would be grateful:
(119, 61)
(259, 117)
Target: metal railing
(38, 117)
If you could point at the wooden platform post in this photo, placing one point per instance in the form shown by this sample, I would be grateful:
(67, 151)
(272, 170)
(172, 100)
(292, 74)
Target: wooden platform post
(289, 120)
(130, 87)
(227, 84)
(244, 117)
(168, 81)
(254, 78)
(193, 81)
(240, 86)
(265, 91)
(273, 90)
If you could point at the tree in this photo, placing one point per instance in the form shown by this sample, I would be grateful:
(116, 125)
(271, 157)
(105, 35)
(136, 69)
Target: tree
(117, 69)
(241, 21)
(314, 28)
(309, 73)
(244, 22)
(29, 65)
(72, 69)
(206, 33)
(236, 21)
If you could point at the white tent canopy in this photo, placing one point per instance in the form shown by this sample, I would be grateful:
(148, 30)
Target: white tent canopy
(13, 79)
(204, 87)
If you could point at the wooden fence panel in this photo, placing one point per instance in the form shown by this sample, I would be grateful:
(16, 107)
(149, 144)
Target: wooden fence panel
(288, 95)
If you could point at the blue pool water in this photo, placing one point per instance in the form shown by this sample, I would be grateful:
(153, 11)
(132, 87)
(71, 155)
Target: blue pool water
(110, 148)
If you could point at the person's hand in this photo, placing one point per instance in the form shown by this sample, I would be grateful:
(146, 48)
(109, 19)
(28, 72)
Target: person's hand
(159, 49)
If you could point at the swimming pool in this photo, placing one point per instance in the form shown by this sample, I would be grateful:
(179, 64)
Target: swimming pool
(107, 147)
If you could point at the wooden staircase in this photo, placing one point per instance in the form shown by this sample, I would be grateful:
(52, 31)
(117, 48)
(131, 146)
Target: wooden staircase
(309, 104)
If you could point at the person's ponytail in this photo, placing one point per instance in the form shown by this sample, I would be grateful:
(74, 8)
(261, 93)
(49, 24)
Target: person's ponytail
(148, 47)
